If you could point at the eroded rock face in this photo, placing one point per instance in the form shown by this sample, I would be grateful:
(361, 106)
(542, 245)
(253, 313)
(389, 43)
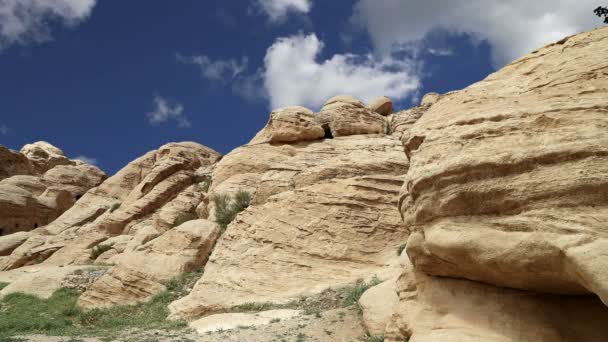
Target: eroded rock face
(323, 215)
(40, 183)
(507, 187)
(151, 195)
(443, 309)
(518, 197)
(290, 124)
(346, 115)
(141, 273)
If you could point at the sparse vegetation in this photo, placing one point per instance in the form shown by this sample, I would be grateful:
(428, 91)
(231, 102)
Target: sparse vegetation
(3, 285)
(275, 320)
(59, 316)
(99, 250)
(400, 249)
(227, 207)
(114, 207)
(373, 339)
(352, 294)
(313, 311)
(253, 307)
(301, 337)
(204, 182)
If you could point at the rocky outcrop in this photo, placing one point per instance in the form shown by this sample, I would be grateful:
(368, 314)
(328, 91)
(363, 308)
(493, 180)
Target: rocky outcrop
(290, 124)
(323, 215)
(507, 187)
(147, 198)
(381, 105)
(38, 184)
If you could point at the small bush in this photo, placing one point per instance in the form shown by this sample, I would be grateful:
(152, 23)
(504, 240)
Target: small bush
(352, 294)
(374, 339)
(114, 207)
(400, 249)
(253, 307)
(227, 208)
(3, 285)
(99, 250)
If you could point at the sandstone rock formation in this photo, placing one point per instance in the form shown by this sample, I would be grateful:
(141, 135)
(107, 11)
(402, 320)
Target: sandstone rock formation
(38, 184)
(381, 105)
(145, 215)
(507, 186)
(323, 215)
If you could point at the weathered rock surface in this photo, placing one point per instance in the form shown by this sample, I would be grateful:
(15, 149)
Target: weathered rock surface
(38, 184)
(346, 115)
(508, 177)
(443, 309)
(377, 306)
(381, 105)
(140, 274)
(507, 187)
(230, 321)
(152, 194)
(323, 215)
(37, 280)
(290, 124)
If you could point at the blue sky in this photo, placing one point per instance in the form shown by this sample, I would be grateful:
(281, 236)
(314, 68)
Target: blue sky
(110, 80)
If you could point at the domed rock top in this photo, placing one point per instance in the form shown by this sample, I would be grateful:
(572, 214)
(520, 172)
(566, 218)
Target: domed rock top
(381, 105)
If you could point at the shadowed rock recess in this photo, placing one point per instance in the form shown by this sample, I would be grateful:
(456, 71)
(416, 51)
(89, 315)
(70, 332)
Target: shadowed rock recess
(483, 212)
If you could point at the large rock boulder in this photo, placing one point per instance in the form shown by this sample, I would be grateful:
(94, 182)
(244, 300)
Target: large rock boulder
(381, 105)
(507, 187)
(323, 215)
(38, 184)
(290, 124)
(443, 309)
(345, 115)
(141, 273)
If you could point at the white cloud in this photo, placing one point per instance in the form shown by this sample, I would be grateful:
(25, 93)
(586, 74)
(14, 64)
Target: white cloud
(24, 21)
(219, 70)
(294, 76)
(166, 110)
(4, 130)
(88, 160)
(277, 10)
(513, 28)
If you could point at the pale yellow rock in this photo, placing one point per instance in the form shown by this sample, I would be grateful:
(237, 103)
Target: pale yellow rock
(8, 243)
(231, 321)
(37, 193)
(37, 280)
(341, 99)
(441, 309)
(132, 196)
(508, 178)
(290, 124)
(377, 305)
(381, 105)
(347, 119)
(141, 273)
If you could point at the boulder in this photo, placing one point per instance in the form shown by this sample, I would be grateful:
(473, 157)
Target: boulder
(141, 273)
(377, 305)
(381, 105)
(442, 309)
(290, 124)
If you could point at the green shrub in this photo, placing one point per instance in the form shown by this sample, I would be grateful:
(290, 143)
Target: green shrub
(3, 285)
(252, 307)
(352, 294)
(374, 339)
(99, 250)
(400, 249)
(114, 207)
(226, 207)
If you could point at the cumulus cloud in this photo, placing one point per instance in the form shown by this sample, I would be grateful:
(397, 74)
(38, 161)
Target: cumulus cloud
(25, 21)
(88, 160)
(218, 70)
(165, 110)
(293, 74)
(278, 10)
(512, 28)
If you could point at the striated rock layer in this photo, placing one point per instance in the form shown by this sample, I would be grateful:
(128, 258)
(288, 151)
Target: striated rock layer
(507, 186)
(323, 214)
(38, 184)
